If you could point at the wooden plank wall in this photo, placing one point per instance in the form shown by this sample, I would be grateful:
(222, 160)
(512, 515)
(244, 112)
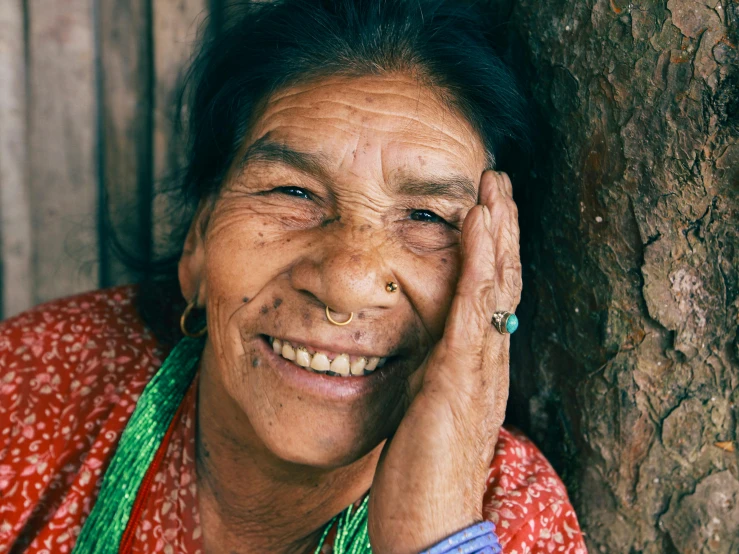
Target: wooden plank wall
(15, 222)
(86, 89)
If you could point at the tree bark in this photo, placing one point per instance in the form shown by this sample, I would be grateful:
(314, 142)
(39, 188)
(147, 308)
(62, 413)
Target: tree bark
(628, 358)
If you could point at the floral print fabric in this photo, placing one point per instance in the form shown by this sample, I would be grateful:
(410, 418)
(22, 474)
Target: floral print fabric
(71, 372)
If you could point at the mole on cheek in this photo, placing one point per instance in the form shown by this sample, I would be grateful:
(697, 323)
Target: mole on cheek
(256, 362)
(245, 299)
(264, 309)
(276, 303)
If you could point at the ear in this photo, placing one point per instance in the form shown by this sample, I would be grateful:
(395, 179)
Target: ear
(191, 267)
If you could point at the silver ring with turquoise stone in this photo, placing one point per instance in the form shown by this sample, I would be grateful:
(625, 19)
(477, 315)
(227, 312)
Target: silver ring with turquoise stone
(505, 322)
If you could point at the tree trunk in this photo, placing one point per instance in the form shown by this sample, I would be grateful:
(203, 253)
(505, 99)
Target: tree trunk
(628, 358)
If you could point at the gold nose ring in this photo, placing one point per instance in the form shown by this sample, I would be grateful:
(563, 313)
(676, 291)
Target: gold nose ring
(332, 320)
(391, 286)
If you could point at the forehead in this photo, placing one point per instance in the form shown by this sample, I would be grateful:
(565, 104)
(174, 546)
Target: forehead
(374, 124)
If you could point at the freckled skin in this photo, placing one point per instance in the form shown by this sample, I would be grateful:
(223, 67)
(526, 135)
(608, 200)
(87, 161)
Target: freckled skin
(344, 265)
(292, 256)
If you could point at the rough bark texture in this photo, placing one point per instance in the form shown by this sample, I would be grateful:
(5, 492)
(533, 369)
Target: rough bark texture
(628, 360)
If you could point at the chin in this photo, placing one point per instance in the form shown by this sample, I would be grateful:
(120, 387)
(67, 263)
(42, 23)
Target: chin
(312, 424)
(309, 418)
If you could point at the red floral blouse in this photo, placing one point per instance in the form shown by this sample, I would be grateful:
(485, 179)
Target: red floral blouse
(71, 372)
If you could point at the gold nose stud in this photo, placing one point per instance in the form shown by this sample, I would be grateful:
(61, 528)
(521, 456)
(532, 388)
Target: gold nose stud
(391, 286)
(340, 323)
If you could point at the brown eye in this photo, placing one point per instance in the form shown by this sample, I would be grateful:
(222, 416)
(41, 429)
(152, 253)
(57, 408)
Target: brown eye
(293, 191)
(426, 216)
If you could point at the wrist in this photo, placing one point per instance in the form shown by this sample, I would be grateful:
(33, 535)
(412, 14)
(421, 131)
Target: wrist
(421, 537)
(479, 538)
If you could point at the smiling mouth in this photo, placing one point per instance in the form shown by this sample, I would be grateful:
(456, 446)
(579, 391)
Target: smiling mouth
(328, 363)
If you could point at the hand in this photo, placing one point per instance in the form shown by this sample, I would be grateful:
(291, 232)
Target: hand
(431, 477)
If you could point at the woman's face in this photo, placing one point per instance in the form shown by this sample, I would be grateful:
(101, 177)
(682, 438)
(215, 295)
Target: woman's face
(344, 185)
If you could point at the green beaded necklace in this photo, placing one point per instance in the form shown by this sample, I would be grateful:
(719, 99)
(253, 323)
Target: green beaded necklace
(104, 528)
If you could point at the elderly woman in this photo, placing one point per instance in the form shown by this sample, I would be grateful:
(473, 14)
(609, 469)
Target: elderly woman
(351, 271)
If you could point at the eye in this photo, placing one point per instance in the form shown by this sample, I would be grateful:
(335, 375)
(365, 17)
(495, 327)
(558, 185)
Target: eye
(426, 216)
(294, 191)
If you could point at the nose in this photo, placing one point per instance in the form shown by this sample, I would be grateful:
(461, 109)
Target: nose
(347, 274)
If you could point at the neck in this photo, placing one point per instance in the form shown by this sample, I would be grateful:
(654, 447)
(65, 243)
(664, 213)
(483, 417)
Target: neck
(252, 501)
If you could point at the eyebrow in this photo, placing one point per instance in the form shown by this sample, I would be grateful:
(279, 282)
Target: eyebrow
(452, 187)
(267, 150)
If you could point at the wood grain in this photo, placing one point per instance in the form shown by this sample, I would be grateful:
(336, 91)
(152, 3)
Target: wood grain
(176, 27)
(126, 141)
(62, 147)
(15, 225)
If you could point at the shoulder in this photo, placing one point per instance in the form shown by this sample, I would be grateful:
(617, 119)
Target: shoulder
(71, 371)
(527, 500)
(112, 309)
(61, 347)
(89, 317)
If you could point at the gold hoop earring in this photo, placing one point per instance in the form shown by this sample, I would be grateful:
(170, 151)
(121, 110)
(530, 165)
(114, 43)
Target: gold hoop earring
(332, 320)
(183, 322)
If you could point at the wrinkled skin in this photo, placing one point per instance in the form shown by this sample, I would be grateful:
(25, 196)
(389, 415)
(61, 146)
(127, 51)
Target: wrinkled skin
(285, 238)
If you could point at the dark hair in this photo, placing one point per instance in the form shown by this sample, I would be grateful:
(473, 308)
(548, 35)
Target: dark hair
(262, 47)
(266, 46)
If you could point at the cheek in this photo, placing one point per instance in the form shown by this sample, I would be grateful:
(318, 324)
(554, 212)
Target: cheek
(432, 280)
(245, 250)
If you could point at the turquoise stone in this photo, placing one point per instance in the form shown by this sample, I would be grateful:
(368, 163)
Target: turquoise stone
(511, 323)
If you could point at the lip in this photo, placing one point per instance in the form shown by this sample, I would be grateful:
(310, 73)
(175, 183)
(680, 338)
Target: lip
(331, 388)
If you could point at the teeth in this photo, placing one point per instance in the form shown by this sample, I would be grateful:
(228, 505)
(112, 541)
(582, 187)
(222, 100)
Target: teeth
(341, 365)
(358, 366)
(302, 358)
(320, 363)
(287, 352)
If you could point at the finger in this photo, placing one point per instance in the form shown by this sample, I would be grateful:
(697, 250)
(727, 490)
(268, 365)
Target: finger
(504, 181)
(505, 233)
(492, 184)
(496, 193)
(468, 316)
(489, 188)
(507, 251)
